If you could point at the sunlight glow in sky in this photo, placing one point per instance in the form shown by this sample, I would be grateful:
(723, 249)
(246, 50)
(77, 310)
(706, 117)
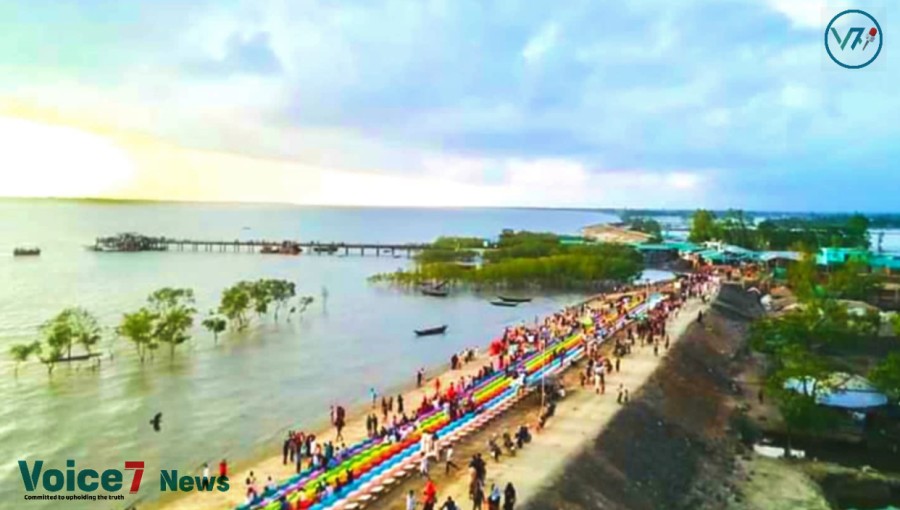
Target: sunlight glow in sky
(446, 102)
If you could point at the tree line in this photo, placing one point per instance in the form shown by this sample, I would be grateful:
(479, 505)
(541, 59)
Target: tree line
(520, 259)
(800, 234)
(165, 320)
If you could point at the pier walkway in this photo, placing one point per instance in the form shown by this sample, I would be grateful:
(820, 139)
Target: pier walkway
(138, 243)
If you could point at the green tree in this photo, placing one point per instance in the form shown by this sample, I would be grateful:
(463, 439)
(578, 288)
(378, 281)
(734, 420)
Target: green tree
(703, 226)
(138, 327)
(85, 328)
(21, 352)
(215, 324)
(647, 226)
(261, 296)
(235, 304)
(857, 231)
(852, 281)
(173, 316)
(895, 323)
(886, 375)
(281, 292)
(799, 409)
(803, 277)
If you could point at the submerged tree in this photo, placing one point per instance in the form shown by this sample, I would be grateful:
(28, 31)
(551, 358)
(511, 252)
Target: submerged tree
(281, 292)
(259, 295)
(215, 324)
(173, 315)
(21, 352)
(235, 304)
(70, 327)
(137, 327)
(85, 328)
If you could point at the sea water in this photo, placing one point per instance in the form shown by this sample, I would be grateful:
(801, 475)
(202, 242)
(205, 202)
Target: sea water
(235, 399)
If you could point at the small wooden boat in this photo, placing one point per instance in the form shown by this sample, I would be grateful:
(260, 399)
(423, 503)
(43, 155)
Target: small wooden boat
(434, 292)
(504, 303)
(515, 299)
(439, 330)
(27, 252)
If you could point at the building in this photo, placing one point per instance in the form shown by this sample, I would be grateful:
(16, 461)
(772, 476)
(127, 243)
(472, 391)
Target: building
(838, 256)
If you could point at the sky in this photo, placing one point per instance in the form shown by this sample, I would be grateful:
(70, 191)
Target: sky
(575, 103)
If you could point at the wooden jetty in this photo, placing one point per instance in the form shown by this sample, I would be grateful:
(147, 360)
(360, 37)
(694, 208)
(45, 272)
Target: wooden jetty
(138, 243)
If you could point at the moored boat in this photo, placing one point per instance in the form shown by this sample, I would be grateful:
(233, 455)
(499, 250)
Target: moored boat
(514, 299)
(29, 251)
(439, 330)
(504, 303)
(434, 292)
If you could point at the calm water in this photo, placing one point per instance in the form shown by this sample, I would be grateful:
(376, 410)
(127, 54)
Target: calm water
(235, 399)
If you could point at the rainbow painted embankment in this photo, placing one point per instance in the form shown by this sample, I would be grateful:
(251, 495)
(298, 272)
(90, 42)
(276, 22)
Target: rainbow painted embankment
(376, 459)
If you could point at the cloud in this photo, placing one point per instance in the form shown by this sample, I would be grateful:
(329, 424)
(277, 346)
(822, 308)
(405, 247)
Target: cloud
(244, 54)
(542, 42)
(663, 102)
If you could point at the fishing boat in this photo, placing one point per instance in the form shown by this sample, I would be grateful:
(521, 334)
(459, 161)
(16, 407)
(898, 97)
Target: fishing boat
(439, 330)
(504, 303)
(514, 299)
(434, 292)
(27, 251)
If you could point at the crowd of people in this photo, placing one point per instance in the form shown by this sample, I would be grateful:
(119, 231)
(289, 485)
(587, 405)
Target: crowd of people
(398, 420)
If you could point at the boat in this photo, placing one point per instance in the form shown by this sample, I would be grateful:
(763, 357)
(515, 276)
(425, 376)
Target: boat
(26, 252)
(439, 330)
(434, 292)
(285, 248)
(504, 303)
(325, 248)
(514, 299)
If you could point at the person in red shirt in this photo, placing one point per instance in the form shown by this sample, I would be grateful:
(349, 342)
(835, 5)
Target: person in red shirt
(429, 495)
(223, 469)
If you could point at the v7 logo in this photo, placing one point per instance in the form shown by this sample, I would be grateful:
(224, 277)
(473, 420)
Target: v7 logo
(843, 42)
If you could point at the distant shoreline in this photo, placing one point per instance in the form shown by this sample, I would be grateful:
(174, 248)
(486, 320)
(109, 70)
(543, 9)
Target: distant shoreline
(615, 211)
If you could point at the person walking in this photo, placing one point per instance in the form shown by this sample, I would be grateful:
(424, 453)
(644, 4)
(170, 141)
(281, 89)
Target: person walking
(411, 500)
(476, 492)
(494, 498)
(509, 497)
(448, 460)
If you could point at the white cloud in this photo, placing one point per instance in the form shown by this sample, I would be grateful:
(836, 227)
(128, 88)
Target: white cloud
(809, 14)
(541, 43)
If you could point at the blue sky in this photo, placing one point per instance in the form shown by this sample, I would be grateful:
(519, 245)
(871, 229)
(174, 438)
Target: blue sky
(719, 103)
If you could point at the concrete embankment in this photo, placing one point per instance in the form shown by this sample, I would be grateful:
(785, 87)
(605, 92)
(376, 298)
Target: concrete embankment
(670, 447)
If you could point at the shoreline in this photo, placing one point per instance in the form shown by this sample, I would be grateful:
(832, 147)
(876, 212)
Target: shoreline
(580, 417)
(266, 465)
